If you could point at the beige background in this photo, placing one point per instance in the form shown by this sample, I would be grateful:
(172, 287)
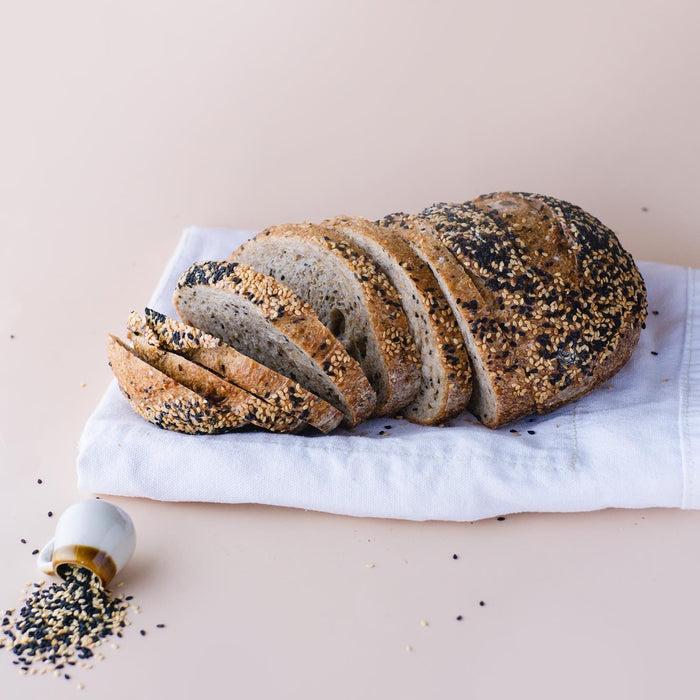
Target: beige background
(121, 123)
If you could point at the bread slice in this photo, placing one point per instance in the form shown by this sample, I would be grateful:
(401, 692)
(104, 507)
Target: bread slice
(264, 319)
(352, 297)
(212, 353)
(602, 297)
(236, 401)
(446, 373)
(163, 401)
(499, 387)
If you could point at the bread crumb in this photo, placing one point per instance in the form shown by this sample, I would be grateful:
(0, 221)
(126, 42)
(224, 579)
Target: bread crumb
(423, 623)
(370, 565)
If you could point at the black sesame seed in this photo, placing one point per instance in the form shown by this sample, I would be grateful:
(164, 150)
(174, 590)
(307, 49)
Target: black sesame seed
(23, 541)
(654, 353)
(39, 481)
(459, 617)
(50, 514)
(381, 432)
(656, 313)
(513, 430)
(530, 432)
(35, 551)
(501, 518)
(482, 603)
(387, 427)
(454, 556)
(160, 625)
(142, 633)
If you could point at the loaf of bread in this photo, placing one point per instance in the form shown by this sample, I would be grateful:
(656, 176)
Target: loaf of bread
(509, 304)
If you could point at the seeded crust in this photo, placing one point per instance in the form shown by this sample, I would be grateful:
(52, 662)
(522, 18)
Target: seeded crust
(497, 395)
(163, 401)
(558, 279)
(212, 353)
(261, 317)
(351, 296)
(236, 401)
(446, 372)
(602, 299)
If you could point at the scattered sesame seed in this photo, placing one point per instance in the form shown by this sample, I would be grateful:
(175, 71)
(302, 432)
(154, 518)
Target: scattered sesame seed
(409, 647)
(459, 617)
(381, 432)
(482, 603)
(656, 313)
(530, 432)
(61, 624)
(454, 556)
(12, 337)
(83, 385)
(370, 565)
(654, 353)
(160, 625)
(387, 427)
(35, 551)
(39, 481)
(423, 623)
(501, 518)
(50, 514)
(142, 633)
(80, 686)
(23, 541)
(645, 209)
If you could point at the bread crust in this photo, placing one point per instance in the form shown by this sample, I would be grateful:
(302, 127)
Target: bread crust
(293, 318)
(397, 348)
(162, 400)
(243, 371)
(443, 396)
(500, 372)
(599, 294)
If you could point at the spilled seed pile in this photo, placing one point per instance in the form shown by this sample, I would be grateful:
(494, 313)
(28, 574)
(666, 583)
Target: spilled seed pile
(60, 626)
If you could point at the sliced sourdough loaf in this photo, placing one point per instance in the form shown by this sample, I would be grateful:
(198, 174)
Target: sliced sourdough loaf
(265, 320)
(163, 401)
(538, 280)
(499, 385)
(445, 385)
(212, 353)
(237, 402)
(600, 303)
(352, 297)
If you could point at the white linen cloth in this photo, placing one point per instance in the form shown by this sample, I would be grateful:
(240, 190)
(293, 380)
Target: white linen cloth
(632, 443)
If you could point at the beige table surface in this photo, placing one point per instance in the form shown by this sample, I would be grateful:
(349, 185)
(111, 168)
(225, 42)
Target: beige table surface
(122, 123)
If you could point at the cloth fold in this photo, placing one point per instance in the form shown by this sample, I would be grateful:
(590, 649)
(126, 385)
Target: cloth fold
(632, 443)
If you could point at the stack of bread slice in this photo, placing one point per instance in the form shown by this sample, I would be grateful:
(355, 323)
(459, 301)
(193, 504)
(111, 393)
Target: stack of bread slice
(507, 305)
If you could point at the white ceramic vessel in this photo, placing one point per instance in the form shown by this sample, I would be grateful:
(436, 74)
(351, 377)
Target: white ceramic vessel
(94, 534)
